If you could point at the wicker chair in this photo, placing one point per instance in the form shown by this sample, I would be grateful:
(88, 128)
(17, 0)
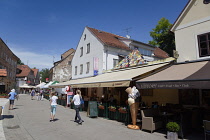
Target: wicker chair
(206, 125)
(151, 120)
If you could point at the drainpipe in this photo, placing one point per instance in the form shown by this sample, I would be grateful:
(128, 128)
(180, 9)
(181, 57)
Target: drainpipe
(106, 55)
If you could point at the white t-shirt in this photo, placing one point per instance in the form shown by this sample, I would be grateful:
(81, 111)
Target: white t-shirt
(76, 99)
(54, 100)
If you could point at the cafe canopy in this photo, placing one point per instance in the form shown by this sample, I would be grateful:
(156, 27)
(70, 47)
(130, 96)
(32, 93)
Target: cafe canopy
(116, 78)
(194, 75)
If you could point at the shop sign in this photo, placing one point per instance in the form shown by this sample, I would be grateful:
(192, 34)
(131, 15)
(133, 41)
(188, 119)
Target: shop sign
(95, 65)
(175, 85)
(164, 85)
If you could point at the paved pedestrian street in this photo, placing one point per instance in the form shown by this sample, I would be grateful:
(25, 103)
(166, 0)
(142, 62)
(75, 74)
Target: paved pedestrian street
(30, 121)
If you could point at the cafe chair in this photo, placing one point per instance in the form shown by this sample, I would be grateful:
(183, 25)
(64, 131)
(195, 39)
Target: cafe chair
(206, 126)
(150, 120)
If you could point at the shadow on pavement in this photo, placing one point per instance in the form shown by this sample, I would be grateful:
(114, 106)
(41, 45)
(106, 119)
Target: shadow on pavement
(7, 116)
(56, 120)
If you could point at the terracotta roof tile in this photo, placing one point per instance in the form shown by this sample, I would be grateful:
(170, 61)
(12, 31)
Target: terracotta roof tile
(3, 72)
(160, 53)
(25, 70)
(109, 39)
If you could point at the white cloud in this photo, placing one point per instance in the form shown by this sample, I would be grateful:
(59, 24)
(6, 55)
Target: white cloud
(32, 59)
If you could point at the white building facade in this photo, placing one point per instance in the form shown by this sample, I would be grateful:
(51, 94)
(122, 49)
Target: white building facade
(192, 31)
(99, 51)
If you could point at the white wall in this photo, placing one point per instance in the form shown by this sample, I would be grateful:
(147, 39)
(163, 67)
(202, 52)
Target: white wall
(111, 53)
(96, 50)
(187, 43)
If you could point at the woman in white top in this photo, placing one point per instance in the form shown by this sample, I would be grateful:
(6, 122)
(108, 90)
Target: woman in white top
(53, 103)
(76, 100)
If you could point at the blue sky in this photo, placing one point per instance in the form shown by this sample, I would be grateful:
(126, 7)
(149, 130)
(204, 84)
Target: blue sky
(37, 30)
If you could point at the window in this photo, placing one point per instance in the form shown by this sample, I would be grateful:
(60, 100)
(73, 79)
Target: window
(88, 67)
(75, 70)
(115, 62)
(204, 45)
(81, 49)
(88, 48)
(69, 62)
(81, 68)
(85, 37)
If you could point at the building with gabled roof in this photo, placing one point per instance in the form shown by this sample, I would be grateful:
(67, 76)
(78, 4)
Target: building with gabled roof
(192, 31)
(37, 76)
(26, 76)
(99, 51)
(62, 70)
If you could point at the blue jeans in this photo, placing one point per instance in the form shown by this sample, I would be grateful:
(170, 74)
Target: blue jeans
(77, 107)
(53, 109)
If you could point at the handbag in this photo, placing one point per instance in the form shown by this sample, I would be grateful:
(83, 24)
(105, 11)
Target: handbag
(81, 101)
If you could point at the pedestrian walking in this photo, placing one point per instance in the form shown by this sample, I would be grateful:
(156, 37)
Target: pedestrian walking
(76, 100)
(32, 94)
(53, 103)
(41, 95)
(12, 96)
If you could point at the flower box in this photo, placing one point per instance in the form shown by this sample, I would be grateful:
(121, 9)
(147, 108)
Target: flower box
(122, 110)
(112, 108)
(101, 107)
(3, 96)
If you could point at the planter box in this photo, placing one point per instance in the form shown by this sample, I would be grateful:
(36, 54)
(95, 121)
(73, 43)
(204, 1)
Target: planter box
(112, 115)
(100, 107)
(172, 135)
(112, 110)
(101, 112)
(3, 96)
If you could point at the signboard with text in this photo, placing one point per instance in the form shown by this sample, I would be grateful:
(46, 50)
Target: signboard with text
(95, 65)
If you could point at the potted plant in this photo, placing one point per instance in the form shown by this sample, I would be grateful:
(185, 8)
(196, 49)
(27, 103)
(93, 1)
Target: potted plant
(172, 128)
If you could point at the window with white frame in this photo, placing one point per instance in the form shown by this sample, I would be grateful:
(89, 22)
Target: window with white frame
(81, 68)
(75, 70)
(204, 44)
(88, 48)
(81, 51)
(115, 62)
(88, 67)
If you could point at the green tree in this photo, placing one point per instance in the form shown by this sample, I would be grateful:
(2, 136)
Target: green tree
(44, 73)
(162, 37)
(19, 62)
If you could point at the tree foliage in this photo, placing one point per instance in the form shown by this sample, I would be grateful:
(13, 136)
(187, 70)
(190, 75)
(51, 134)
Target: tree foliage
(162, 37)
(19, 62)
(44, 73)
